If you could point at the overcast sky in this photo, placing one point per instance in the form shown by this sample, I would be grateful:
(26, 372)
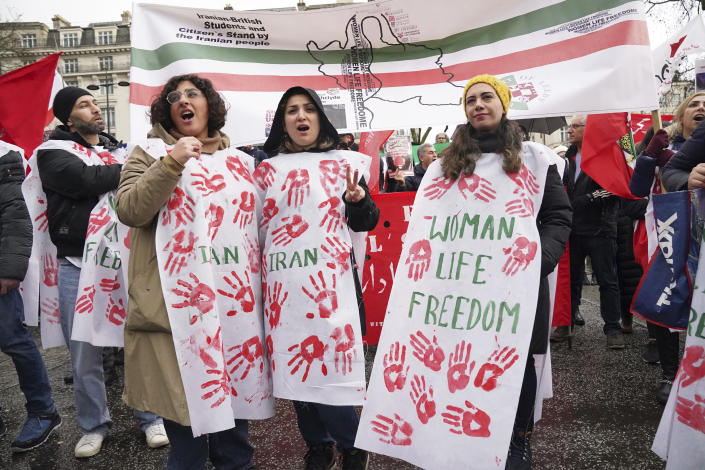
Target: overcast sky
(82, 12)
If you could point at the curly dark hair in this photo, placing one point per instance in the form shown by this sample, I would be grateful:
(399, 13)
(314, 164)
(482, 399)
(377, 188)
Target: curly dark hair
(160, 110)
(462, 153)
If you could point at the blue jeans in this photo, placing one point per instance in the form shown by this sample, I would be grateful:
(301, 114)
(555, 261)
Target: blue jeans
(229, 449)
(323, 424)
(603, 254)
(87, 364)
(17, 342)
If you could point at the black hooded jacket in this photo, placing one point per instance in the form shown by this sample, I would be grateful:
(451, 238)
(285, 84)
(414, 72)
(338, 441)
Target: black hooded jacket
(15, 225)
(73, 189)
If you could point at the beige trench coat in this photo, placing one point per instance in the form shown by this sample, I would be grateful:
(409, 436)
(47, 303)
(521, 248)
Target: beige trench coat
(152, 377)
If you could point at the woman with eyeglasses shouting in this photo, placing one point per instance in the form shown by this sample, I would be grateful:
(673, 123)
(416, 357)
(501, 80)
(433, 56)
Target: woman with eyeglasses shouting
(194, 331)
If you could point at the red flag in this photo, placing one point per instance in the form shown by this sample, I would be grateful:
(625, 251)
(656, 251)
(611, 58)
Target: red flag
(561, 304)
(24, 100)
(607, 151)
(370, 142)
(640, 123)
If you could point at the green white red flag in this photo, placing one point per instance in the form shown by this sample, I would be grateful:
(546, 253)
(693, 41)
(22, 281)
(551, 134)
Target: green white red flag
(386, 65)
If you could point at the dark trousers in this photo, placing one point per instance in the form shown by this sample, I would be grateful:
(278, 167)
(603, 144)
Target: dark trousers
(603, 253)
(668, 348)
(17, 342)
(229, 449)
(524, 420)
(323, 424)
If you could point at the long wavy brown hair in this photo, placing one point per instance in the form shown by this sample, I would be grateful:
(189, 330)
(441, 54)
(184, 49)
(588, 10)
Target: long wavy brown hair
(462, 153)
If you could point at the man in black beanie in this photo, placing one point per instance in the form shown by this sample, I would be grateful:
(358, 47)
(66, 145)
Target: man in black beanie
(72, 189)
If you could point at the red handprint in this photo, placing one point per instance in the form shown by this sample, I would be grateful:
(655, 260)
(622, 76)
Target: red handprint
(521, 254)
(180, 207)
(214, 216)
(264, 175)
(107, 158)
(497, 364)
(310, 349)
(692, 365)
(423, 399)
(692, 412)
(253, 255)
(270, 350)
(297, 182)
(181, 250)
(394, 431)
(429, 353)
(238, 169)
(478, 187)
(522, 207)
(394, 373)
(245, 209)
(50, 310)
(41, 222)
(51, 270)
(419, 259)
(273, 307)
(525, 180)
(198, 295)
(334, 217)
(243, 293)
(84, 304)
(115, 312)
(206, 183)
(126, 241)
(269, 210)
(287, 232)
(220, 387)
(339, 252)
(109, 284)
(344, 348)
(471, 421)
(247, 353)
(438, 188)
(332, 177)
(459, 367)
(327, 299)
(98, 220)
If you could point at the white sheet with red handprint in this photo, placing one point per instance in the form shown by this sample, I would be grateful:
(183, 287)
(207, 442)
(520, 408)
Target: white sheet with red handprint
(312, 319)
(101, 303)
(680, 438)
(209, 265)
(40, 291)
(446, 380)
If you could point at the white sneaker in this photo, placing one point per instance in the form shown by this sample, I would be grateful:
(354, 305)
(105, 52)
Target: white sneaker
(156, 436)
(88, 445)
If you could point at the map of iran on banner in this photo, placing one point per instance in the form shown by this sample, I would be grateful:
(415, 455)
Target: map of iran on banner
(385, 65)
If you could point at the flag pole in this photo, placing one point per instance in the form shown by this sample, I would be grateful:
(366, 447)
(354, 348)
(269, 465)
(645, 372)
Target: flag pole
(656, 119)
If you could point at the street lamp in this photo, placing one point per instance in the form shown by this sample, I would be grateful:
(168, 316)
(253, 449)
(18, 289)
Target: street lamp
(108, 87)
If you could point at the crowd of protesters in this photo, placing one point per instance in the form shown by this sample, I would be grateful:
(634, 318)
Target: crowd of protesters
(187, 117)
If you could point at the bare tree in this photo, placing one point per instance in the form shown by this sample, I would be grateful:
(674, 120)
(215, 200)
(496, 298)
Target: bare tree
(685, 9)
(10, 44)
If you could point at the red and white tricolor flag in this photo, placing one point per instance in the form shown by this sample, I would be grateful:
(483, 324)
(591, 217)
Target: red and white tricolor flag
(387, 65)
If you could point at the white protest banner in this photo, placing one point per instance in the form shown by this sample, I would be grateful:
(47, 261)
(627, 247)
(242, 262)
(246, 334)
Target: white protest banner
(446, 380)
(680, 438)
(313, 321)
(669, 55)
(40, 290)
(385, 65)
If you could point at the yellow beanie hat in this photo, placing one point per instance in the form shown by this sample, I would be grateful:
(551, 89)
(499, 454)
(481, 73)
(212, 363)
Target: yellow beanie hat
(503, 91)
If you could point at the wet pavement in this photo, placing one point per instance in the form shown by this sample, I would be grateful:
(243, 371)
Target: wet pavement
(603, 414)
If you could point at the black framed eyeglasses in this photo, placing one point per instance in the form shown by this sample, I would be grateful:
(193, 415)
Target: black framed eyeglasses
(175, 96)
(575, 126)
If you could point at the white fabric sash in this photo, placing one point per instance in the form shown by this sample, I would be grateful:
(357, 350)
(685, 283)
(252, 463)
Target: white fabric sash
(40, 290)
(446, 381)
(209, 265)
(313, 323)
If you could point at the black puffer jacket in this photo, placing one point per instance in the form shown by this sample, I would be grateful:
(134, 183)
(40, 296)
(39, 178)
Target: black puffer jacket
(692, 152)
(73, 189)
(628, 270)
(591, 217)
(15, 225)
